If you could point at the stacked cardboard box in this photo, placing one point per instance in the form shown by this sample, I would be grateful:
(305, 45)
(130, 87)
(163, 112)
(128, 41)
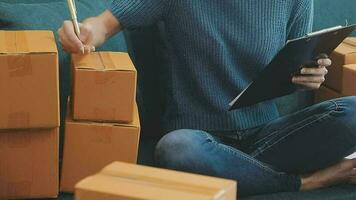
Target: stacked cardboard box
(127, 181)
(29, 115)
(103, 124)
(341, 79)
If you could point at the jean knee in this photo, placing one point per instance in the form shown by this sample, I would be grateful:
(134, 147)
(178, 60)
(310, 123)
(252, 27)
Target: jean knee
(176, 147)
(346, 106)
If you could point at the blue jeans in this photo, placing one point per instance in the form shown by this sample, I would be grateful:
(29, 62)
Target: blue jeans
(269, 158)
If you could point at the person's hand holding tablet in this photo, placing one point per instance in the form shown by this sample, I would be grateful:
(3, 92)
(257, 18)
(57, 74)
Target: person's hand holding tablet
(312, 77)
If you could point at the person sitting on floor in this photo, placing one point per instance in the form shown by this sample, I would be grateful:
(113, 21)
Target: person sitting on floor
(215, 49)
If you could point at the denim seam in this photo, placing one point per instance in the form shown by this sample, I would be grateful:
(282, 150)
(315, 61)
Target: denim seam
(272, 134)
(243, 156)
(262, 150)
(336, 107)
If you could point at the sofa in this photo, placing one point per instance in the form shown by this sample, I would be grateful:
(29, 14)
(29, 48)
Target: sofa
(146, 47)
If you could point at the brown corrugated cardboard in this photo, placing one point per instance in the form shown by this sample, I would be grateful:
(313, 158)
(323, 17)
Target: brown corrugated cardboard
(324, 94)
(343, 55)
(349, 80)
(89, 146)
(104, 87)
(29, 164)
(351, 41)
(127, 181)
(29, 85)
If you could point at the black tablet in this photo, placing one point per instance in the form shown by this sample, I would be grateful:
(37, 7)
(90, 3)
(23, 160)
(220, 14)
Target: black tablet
(276, 79)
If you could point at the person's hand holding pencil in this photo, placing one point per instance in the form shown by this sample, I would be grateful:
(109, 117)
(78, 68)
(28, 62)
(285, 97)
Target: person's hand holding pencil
(91, 33)
(82, 39)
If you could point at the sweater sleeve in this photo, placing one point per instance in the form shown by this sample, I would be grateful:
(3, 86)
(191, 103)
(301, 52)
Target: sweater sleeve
(138, 13)
(302, 20)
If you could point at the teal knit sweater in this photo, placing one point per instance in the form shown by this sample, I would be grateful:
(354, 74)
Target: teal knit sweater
(216, 48)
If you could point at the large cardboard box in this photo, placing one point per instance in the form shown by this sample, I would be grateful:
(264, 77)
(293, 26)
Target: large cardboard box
(324, 94)
(104, 87)
(28, 80)
(127, 181)
(349, 80)
(29, 164)
(90, 146)
(343, 55)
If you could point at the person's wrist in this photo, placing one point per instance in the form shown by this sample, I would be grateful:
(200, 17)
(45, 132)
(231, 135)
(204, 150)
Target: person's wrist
(97, 29)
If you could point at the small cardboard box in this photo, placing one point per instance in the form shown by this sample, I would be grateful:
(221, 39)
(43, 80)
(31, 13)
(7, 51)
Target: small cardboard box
(349, 80)
(29, 164)
(127, 181)
(104, 87)
(324, 94)
(343, 55)
(89, 146)
(29, 85)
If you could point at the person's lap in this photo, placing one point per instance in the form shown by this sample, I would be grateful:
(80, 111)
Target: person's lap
(263, 159)
(312, 139)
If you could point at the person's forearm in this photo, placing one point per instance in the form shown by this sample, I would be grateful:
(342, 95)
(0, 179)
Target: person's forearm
(103, 27)
(111, 24)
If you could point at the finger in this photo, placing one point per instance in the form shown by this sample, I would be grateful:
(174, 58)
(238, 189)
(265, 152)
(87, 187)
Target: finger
(71, 38)
(314, 71)
(312, 86)
(353, 173)
(325, 62)
(308, 79)
(89, 48)
(66, 47)
(354, 162)
(93, 48)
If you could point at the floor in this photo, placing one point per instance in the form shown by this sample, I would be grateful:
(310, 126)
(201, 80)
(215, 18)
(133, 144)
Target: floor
(64, 197)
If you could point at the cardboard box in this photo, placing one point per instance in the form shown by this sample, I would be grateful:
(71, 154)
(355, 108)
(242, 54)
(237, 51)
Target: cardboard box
(104, 87)
(324, 94)
(29, 164)
(29, 85)
(127, 181)
(351, 41)
(343, 55)
(349, 80)
(89, 146)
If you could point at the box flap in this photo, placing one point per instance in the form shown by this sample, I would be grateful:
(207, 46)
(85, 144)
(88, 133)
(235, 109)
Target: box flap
(171, 179)
(350, 41)
(101, 185)
(351, 67)
(134, 123)
(15, 42)
(345, 49)
(103, 61)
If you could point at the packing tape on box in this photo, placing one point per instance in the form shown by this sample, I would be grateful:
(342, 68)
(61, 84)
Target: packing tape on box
(107, 60)
(108, 64)
(18, 119)
(8, 39)
(21, 41)
(18, 65)
(15, 42)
